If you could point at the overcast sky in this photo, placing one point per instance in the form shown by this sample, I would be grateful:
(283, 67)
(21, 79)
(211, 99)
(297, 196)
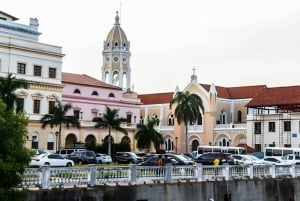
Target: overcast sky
(229, 42)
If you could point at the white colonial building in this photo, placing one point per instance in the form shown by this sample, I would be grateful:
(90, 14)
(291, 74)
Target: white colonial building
(22, 55)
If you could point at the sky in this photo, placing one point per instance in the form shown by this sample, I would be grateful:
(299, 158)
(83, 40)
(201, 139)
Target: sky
(229, 42)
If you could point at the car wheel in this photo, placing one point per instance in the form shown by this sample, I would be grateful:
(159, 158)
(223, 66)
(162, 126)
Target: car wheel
(46, 163)
(69, 165)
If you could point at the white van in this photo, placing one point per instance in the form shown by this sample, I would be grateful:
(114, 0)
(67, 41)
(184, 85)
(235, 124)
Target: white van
(67, 152)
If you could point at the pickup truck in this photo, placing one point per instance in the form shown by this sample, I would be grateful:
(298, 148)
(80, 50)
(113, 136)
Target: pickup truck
(295, 159)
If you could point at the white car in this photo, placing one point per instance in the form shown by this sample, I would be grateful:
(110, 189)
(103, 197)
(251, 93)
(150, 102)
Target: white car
(241, 160)
(103, 158)
(53, 160)
(276, 161)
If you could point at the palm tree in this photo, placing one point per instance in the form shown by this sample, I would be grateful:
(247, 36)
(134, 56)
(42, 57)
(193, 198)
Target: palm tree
(188, 109)
(58, 118)
(8, 86)
(146, 134)
(110, 120)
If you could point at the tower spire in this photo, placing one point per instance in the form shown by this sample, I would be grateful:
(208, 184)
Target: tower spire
(117, 19)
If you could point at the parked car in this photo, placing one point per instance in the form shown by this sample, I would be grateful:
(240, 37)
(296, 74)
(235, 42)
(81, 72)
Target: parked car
(127, 157)
(174, 159)
(295, 159)
(276, 161)
(191, 155)
(67, 152)
(83, 157)
(103, 158)
(53, 160)
(208, 158)
(241, 160)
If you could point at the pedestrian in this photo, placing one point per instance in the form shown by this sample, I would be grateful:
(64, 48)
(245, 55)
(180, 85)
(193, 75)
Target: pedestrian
(159, 161)
(216, 162)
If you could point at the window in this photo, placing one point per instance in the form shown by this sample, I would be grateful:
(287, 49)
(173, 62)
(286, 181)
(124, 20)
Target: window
(239, 116)
(52, 72)
(51, 107)
(77, 91)
(111, 95)
(21, 68)
(36, 106)
(37, 70)
(287, 126)
(20, 105)
(76, 114)
(141, 120)
(272, 126)
(129, 118)
(257, 127)
(171, 120)
(95, 93)
(199, 120)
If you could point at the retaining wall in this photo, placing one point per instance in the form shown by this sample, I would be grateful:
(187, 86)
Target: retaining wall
(237, 190)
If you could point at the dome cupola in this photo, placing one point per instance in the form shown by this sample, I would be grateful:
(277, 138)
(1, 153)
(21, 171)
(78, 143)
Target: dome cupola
(116, 38)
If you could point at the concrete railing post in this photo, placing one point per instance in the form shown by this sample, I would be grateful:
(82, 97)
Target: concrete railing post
(45, 177)
(198, 170)
(226, 172)
(273, 171)
(92, 174)
(168, 172)
(293, 171)
(250, 171)
(132, 174)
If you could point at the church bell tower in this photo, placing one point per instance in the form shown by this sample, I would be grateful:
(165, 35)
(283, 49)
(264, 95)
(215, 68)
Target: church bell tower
(116, 57)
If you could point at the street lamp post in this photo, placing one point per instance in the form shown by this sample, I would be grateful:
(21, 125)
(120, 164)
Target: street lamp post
(176, 138)
(56, 139)
(109, 141)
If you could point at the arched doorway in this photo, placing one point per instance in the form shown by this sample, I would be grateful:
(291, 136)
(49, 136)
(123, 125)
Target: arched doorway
(71, 140)
(195, 144)
(90, 139)
(126, 140)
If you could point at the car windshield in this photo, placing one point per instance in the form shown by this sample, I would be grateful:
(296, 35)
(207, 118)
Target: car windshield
(181, 157)
(89, 153)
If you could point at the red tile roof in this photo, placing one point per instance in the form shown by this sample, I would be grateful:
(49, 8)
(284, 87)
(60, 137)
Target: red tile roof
(158, 98)
(276, 96)
(241, 92)
(85, 80)
(223, 92)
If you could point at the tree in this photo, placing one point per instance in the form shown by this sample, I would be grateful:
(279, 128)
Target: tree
(8, 86)
(188, 109)
(110, 120)
(14, 156)
(59, 118)
(146, 135)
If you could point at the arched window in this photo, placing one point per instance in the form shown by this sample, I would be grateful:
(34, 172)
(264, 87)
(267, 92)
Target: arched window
(50, 141)
(171, 120)
(223, 117)
(77, 91)
(141, 120)
(199, 120)
(169, 145)
(94, 93)
(111, 95)
(155, 117)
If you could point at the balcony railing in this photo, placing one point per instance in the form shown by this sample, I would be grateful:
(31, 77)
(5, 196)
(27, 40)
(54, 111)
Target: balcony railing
(47, 177)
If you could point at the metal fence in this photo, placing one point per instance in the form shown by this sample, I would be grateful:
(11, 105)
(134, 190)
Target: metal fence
(47, 177)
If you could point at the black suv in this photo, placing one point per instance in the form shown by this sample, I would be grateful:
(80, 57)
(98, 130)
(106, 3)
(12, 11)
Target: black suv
(127, 157)
(83, 157)
(208, 158)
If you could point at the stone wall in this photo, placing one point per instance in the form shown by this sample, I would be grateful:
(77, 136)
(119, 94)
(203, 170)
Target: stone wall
(238, 190)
